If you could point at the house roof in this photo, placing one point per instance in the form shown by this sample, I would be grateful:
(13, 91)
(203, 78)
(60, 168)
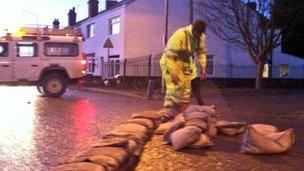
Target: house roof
(123, 2)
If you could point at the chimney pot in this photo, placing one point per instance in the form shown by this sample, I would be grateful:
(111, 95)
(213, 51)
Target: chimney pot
(72, 17)
(56, 23)
(93, 8)
(110, 3)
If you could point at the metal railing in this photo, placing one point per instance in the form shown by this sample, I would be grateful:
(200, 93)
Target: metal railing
(148, 66)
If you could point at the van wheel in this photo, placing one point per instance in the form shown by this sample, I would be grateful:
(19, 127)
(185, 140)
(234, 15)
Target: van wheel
(54, 85)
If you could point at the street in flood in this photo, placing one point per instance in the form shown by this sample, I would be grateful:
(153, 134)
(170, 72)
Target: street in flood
(38, 132)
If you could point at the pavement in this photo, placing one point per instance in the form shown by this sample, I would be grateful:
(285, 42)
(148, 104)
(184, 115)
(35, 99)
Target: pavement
(280, 108)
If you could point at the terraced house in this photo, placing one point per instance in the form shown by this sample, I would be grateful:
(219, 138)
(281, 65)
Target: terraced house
(128, 36)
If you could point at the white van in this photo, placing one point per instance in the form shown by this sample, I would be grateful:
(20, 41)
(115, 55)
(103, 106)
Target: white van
(49, 58)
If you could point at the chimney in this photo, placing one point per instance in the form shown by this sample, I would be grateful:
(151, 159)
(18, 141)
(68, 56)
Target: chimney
(252, 5)
(56, 24)
(72, 17)
(110, 3)
(93, 8)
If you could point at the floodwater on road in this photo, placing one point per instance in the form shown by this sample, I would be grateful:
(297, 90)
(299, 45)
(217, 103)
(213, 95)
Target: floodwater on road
(38, 132)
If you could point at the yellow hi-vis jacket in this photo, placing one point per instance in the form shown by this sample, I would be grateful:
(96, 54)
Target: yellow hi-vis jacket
(182, 45)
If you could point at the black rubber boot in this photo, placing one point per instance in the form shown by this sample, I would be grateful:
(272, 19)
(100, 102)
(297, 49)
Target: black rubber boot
(196, 90)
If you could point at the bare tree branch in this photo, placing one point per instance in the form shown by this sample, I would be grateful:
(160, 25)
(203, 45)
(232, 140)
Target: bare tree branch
(249, 24)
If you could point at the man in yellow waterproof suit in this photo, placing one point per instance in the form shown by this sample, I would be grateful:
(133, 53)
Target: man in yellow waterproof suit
(177, 63)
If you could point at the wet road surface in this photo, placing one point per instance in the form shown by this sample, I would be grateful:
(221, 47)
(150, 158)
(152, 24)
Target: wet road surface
(37, 132)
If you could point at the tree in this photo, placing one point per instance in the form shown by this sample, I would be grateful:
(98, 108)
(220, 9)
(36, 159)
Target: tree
(249, 24)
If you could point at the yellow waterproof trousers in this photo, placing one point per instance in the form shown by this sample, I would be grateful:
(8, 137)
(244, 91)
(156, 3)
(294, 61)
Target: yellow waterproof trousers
(176, 93)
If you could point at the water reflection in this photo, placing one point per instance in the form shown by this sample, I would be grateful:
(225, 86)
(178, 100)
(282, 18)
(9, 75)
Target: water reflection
(39, 132)
(17, 119)
(83, 117)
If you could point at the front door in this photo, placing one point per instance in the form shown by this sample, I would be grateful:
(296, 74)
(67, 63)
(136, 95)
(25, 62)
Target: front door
(6, 71)
(26, 63)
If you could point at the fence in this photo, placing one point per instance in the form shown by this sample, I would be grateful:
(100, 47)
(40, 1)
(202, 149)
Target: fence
(148, 66)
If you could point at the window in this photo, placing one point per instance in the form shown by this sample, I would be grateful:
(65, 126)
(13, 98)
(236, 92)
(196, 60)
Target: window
(266, 71)
(284, 70)
(115, 25)
(210, 64)
(91, 30)
(27, 49)
(61, 49)
(3, 49)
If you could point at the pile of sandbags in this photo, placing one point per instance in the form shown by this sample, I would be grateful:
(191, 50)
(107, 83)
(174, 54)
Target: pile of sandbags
(198, 125)
(195, 128)
(120, 148)
(266, 139)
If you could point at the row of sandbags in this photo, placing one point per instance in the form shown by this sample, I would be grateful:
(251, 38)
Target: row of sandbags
(194, 128)
(198, 125)
(120, 148)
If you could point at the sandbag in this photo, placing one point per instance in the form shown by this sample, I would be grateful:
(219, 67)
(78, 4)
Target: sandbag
(147, 114)
(130, 131)
(264, 128)
(212, 130)
(258, 141)
(83, 166)
(196, 115)
(180, 120)
(198, 123)
(132, 127)
(231, 131)
(113, 142)
(134, 148)
(227, 124)
(138, 137)
(108, 162)
(148, 123)
(168, 113)
(118, 153)
(176, 124)
(204, 141)
(185, 137)
(210, 110)
(130, 146)
(230, 128)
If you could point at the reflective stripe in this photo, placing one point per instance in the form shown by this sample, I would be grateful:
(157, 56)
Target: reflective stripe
(177, 94)
(180, 54)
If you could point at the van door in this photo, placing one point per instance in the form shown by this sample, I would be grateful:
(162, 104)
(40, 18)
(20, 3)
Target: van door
(6, 71)
(26, 63)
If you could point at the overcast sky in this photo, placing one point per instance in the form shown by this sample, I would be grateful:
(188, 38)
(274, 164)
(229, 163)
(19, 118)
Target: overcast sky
(15, 13)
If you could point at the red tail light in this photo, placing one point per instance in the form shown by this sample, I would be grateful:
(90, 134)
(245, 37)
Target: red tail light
(84, 62)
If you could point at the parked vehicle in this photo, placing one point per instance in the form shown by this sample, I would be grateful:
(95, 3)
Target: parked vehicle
(51, 59)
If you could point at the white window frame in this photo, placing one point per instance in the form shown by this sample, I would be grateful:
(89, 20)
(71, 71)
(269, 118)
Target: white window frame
(114, 23)
(91, 30)
(26, 50)
(266, 71)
